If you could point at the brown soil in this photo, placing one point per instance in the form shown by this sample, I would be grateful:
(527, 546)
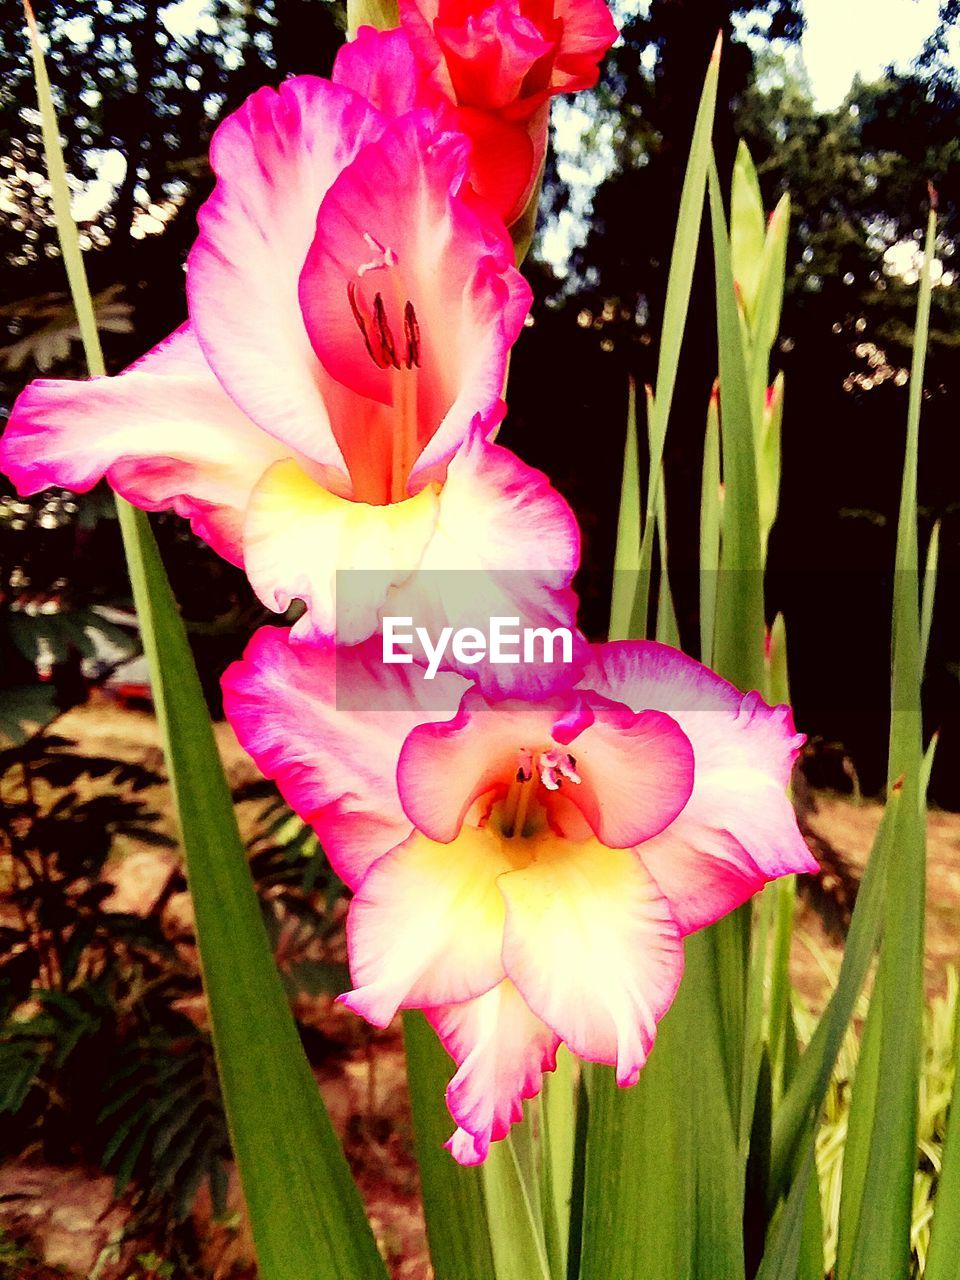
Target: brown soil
(67, 1217)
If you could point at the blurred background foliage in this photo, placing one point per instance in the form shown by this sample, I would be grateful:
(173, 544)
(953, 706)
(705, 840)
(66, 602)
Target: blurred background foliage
(141, 85)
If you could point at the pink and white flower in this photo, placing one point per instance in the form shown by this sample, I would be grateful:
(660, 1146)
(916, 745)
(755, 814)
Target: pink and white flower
(332, 401)
(525, 872)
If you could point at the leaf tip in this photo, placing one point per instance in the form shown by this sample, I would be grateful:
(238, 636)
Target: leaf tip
(717, 48)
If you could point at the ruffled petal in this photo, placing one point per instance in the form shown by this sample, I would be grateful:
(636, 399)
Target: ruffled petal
(426, 925)
(299, 536)
(336, 768)
(634, 772)
(274, 158)
(502, 1051)
(506, 545)
(738, 829)
(381, 67)
(444, 767)
(164, 434)
(592, 947)
(505, 158)
(588, 32)
(490, 54)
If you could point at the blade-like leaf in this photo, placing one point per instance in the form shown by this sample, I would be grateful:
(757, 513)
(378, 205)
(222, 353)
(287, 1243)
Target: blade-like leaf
(453, 1198)
(882, 1246)
(738, 649)
(307, 1218)
(679, 283)
(789, 1246)
(856, 1150)
(747, 229)
(945, 1230)
(662, 1198)
(929, 591)
(667, 630)
(811, 1077)
(512, 1196)
(558, 1121)
(766, 321)
(626, 559)
(711, 513)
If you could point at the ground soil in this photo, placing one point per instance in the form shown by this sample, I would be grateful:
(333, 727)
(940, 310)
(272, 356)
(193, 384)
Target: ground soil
(64, 1222)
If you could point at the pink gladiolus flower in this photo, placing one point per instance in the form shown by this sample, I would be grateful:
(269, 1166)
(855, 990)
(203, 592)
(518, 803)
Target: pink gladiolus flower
(525, 872)
(331, 402)
(498, 63)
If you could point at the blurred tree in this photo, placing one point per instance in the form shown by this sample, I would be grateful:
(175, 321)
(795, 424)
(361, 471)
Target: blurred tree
(858, 179)
(140, 86)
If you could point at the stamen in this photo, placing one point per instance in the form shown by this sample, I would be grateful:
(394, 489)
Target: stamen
(411, 331)
(554, 766)
(384, 333)
(361, 323)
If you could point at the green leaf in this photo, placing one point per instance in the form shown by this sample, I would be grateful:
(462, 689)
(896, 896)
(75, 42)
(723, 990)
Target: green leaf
(945, 1229)
(711, 513)
(789, 1243)
(519, 1250)
(679, 283)
(738, 649)
(747, 229)
(667, 630)
(769, 457)
(23, 709)
(382, 14)
(626, 561)
(453, 1197)
(856, 1149)
(773, 274)
(306, 1215)
(663, 1183)
(929, 591)
(558, 1122)
(882, 1246)
(808, 1085)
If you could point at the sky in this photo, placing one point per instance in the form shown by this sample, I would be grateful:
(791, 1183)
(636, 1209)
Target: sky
(844, 37)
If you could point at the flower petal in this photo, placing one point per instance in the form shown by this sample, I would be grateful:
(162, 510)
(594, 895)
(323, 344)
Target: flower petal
(593, 949)
(298, 536)
(444, 767)
(274, 159)
(164, 434)
(398, 227)
(380, 66)
(588, 32)
(506, 545)
(502, 1051)
(336, 768)
(505, 160)
(636, 771)
(738, 829)
(426, 924)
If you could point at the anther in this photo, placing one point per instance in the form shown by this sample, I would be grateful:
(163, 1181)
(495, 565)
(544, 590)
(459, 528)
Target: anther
(361, 323)
(411, 331)
(387, 345)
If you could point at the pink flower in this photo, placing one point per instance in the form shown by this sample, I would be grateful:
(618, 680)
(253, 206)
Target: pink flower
(331, 402)
(525, 871)
(497, 63)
